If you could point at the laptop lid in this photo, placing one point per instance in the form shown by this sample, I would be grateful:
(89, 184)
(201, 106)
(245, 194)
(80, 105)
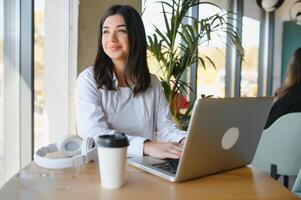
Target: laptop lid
(223, 134)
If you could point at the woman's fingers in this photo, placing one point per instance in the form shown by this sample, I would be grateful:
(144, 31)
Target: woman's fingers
(177, 147)
(163, 150)
(174, 152)
(168, 154)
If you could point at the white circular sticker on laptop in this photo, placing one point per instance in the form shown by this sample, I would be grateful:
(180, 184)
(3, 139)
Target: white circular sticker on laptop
(230, 138)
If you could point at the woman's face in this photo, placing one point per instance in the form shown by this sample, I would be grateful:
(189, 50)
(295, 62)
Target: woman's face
(115, 38)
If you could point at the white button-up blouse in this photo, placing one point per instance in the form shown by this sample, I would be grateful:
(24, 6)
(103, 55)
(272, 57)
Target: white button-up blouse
(95, 109)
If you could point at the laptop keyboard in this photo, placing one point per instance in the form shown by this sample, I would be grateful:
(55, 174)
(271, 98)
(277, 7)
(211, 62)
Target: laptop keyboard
(170, 165)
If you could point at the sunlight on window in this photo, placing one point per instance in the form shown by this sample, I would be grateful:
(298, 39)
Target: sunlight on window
(39, 130)
(152, 16)
(211, 81)
(1, 94)
(249, 68)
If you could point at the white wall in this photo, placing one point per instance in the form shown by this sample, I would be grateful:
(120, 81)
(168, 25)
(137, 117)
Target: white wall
(225, 4)
(251, 9)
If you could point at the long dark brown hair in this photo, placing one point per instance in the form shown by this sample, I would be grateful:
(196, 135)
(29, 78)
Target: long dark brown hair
(136, 69)
(293, 76)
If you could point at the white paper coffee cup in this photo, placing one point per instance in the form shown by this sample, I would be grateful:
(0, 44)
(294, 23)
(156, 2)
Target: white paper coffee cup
(112, 154)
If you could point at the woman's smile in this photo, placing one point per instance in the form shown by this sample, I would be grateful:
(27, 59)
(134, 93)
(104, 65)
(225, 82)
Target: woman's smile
(114, 48)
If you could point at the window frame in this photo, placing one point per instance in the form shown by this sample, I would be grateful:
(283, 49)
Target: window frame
(18, 86)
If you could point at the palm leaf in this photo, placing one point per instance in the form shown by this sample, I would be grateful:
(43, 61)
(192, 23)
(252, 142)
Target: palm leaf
(175, 59)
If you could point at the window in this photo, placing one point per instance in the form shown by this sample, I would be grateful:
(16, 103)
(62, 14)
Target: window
(211, 81)
(1, 96)
(55, 70)
(249, 68)
(40, 137)
(251, 23)
(15, 97)
(9, 93)
(151, 15)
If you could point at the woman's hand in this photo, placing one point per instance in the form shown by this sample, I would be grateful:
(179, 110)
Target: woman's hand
(162, 150)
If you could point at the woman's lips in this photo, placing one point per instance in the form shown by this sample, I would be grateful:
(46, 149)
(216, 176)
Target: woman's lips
(114, 48)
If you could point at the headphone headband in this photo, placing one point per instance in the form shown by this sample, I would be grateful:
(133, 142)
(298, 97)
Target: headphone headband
(85, 152)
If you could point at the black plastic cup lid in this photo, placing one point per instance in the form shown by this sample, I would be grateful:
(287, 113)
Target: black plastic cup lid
(114, 141)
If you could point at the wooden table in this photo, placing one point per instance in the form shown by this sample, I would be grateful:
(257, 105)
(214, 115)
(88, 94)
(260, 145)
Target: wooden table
(242, 183)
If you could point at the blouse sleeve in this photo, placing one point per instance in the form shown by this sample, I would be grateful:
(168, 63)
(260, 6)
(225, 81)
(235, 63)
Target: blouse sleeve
(167, 130)
(90, 117)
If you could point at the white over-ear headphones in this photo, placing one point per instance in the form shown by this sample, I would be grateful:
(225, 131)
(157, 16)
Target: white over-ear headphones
(77, 150)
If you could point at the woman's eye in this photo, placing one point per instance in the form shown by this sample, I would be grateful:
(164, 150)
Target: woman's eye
(105, 32)
(122, 31)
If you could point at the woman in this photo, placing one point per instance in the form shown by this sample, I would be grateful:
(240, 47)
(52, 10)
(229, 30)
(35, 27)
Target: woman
(118, 93)
(288, 96)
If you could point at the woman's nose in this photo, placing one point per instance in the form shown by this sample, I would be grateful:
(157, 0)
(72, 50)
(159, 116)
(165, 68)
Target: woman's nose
(113, 37)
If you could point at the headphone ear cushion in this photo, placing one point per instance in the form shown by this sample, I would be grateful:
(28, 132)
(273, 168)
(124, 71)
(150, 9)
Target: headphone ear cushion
(87, 145)
(70, 145)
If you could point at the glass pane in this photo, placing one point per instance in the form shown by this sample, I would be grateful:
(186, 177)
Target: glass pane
(152, 15)
(249, 68)
(39, 130)
(1, 95)
(151, 9)
(211, 81)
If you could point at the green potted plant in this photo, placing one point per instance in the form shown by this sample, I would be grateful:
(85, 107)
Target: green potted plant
(175, 59)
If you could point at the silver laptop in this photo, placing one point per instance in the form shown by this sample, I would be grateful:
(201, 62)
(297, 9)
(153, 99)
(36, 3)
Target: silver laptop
(223, 134)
